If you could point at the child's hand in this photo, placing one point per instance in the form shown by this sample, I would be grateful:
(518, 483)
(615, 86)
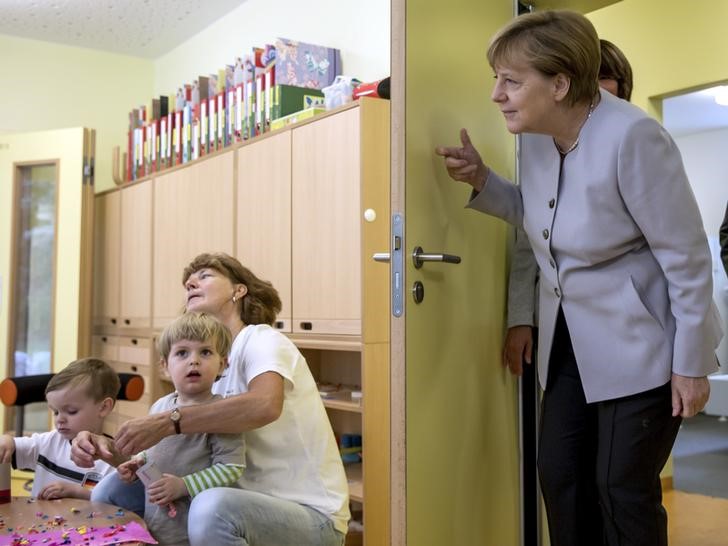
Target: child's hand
(62, 490)
(7, 448)
(167, 489)
(127, 470)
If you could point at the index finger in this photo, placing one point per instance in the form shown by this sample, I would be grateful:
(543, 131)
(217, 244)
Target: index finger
(448, 151)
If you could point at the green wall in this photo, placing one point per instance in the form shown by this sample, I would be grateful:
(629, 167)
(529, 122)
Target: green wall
(673, 45)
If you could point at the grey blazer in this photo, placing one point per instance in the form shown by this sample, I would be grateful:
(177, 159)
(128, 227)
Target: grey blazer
(621, 247)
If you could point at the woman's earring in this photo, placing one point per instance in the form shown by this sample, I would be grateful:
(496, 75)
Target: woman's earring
(235, 298)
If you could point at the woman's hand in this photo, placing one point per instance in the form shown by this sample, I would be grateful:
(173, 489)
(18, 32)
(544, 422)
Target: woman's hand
(518, 347)
(167, 489)
(143, 432)
(689, 395)
(464, 164)
(88, 447)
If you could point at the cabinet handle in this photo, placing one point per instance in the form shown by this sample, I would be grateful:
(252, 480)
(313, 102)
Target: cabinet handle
(134, 342)
(134, 369)
(306, 326)
(279, 324)
(104, 339)
(127, 321)
(113, 321)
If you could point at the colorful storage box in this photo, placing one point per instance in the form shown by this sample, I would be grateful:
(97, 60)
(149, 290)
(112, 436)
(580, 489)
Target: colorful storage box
(306, 65)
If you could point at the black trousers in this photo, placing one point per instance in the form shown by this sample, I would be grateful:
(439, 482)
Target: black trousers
(599, 464)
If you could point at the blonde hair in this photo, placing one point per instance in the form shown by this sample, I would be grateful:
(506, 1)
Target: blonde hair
(260, 305)
(552, 42)
(100, 380)
(195, 327)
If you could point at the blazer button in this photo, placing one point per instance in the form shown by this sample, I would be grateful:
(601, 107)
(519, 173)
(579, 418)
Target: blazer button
(545, 233)
(557, 292)
(552, 203)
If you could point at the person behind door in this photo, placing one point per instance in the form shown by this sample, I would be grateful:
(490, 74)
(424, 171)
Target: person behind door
(627, 326)
(615, 75)
(294, 490)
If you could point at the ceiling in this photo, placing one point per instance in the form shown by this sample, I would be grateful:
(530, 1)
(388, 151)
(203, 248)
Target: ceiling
(141, 28)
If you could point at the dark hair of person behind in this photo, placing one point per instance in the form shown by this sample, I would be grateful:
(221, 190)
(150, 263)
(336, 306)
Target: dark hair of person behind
(615, 66)
(100, 380)
(260, 305)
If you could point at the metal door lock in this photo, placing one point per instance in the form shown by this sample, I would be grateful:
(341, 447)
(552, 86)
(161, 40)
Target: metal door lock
(418, 291)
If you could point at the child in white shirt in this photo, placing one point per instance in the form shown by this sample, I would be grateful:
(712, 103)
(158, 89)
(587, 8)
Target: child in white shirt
(80, 397)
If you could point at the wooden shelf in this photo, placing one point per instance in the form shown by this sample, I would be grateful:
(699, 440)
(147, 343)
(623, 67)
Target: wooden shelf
(343, 405)
(326, 342)
(354, 477)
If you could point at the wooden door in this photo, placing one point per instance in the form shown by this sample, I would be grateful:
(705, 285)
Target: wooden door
(193, 213)
(326, 225)
(263, 229)
(454, 418)
(68, 303)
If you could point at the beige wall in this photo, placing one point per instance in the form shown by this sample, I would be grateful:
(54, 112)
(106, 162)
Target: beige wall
(55, 87)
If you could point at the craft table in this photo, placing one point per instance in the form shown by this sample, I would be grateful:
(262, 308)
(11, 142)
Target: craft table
(25, 520)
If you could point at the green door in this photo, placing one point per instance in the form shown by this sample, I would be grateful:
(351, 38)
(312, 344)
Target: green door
(455, 421)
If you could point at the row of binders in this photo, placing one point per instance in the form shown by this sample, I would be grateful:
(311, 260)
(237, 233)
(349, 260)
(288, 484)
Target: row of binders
(240, 102)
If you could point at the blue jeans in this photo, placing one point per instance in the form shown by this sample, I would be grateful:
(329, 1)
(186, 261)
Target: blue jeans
(111, 490)
(225, 517)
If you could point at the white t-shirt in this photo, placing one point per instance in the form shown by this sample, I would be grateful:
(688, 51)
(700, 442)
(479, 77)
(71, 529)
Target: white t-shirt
(295, 457)
(49, 454)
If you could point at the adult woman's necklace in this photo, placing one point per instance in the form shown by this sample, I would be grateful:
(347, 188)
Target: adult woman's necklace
(576, 142)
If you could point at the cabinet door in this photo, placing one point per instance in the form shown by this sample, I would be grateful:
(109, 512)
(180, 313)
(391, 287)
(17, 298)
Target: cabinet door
(136, 256)
(263, 228)
(326, 227)
(193, 213)
(107, 242)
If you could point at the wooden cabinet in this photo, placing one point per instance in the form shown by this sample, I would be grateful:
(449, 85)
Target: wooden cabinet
(123, 257)
(263, 225)
(193, 213)
(107, 255)
(326, 236)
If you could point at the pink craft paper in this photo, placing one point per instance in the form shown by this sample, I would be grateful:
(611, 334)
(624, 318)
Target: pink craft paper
(96, 536)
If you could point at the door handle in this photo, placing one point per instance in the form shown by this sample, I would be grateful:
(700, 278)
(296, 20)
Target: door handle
(419, 257)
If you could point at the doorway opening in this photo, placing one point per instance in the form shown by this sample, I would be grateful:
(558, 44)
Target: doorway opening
(698, 123)
(33, 274)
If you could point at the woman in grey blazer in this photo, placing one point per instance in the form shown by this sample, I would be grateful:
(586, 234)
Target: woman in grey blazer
(627, 327)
